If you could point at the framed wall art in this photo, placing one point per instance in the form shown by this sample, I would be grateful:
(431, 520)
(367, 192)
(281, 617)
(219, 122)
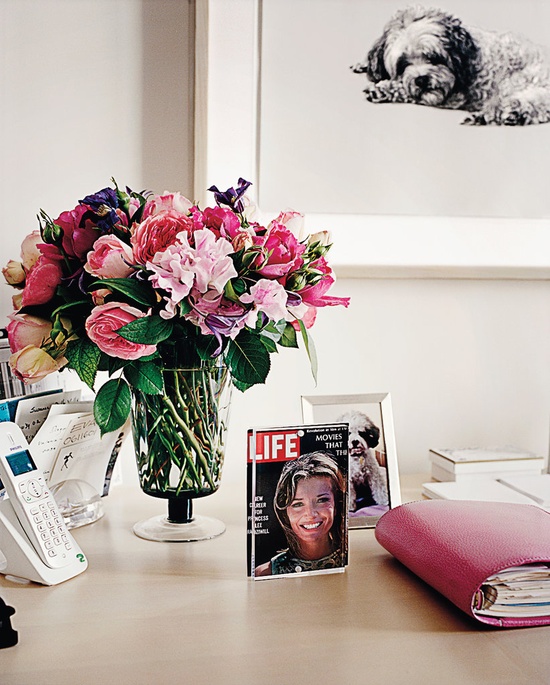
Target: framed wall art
(406, 190)
(373, 468)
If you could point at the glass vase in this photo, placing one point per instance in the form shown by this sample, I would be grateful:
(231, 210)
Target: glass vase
(179, 440)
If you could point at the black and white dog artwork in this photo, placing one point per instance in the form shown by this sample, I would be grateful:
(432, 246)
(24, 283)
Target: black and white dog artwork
(427, 56)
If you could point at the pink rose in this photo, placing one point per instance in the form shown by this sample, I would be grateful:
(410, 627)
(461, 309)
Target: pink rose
(294, 221)
(314, 295)
(14, 273)
(221, 221)
(17, 301)
(169, 201)
(156, 233)
(308, 318)
(76, 241)
(109, 258)
(32, 364)
(102, 326)
(29, 250)
(98, 296)
(42, 281)
(282, 253)
(242, 241)
(24, 330)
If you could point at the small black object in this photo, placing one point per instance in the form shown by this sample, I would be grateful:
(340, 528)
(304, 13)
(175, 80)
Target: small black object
(8, 636)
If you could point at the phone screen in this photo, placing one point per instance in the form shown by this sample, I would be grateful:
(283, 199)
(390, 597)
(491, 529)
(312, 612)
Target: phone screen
(20, 462)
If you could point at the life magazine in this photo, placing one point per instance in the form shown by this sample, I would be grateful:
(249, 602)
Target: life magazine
(297, 481)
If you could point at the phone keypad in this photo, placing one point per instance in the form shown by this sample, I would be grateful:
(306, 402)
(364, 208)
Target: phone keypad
(46, 517)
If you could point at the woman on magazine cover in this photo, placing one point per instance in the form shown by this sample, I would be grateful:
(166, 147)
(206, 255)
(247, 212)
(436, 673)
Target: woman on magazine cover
(309, 503)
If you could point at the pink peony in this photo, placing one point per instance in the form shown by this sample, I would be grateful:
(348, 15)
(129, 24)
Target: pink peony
(156, 233)
(282, 253)
(24, 329)
(31, 364)
(110, 258)
(42, 281)
(207, 266)
(76, 241)
(102, 326)
(268, 297)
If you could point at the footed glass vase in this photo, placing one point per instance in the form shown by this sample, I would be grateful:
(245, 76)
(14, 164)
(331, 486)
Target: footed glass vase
(179, 440)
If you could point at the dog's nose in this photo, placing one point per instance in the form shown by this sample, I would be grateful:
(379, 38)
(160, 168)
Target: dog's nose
(355, 443)
(423, 81)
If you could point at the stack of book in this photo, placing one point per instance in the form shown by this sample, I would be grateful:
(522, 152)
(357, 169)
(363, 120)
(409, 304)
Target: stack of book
(470, 464)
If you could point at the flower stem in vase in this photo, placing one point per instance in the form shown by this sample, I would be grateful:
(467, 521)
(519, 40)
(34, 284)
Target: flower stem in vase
(179, 442)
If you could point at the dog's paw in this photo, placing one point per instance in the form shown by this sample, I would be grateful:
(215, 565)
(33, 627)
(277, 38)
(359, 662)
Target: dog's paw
(359, 68)
(373, 93)
(385, 91)
(475, 119)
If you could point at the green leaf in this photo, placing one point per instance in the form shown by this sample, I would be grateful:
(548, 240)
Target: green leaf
(111, 364)
(112, 405)
(289, 338)
(310, 348)
(206, 346)
(234, 288)
(248, 358)
(268, 342)
(139, 291)
(148, 330)
(145, 376)
(70, 305)
(83, 356)
(241, 386)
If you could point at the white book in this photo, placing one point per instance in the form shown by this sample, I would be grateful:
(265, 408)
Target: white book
(442, 474)
(466, 454)
(484, 490)
(535, 487)
(486, 460)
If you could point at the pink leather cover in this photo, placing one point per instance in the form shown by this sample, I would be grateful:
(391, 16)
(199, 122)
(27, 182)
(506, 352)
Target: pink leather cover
(456, 545)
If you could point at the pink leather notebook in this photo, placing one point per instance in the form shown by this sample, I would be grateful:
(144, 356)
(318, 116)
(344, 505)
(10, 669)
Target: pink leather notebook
(456, 546)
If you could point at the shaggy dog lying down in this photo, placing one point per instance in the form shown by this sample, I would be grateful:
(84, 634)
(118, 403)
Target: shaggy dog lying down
(428, 57)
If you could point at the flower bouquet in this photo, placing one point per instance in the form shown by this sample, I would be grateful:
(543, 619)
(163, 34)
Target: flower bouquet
(140, 286)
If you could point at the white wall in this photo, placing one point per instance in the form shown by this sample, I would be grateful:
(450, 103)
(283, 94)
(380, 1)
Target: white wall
(97, 88)
(90, 90)
(466, 363)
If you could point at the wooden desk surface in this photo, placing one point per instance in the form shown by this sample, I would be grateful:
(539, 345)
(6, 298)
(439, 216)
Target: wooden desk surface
(153, 613)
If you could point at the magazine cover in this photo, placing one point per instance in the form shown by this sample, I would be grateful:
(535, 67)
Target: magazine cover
(297, 500)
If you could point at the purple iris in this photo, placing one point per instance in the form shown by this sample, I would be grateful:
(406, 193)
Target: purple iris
(222, 326)
(294, 300)
(102, 209)
(232, 197)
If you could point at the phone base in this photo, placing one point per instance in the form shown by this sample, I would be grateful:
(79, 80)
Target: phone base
(22, 561)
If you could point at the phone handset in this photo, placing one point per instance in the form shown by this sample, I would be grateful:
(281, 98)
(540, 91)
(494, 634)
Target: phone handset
(32, 501)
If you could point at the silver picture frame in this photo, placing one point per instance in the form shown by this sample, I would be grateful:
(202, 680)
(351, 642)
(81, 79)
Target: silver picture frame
(373, 455)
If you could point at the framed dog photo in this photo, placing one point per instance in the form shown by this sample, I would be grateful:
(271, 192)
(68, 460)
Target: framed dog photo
(373, 469)
(404, 187)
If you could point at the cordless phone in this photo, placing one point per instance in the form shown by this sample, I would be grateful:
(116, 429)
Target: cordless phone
(32, 501)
